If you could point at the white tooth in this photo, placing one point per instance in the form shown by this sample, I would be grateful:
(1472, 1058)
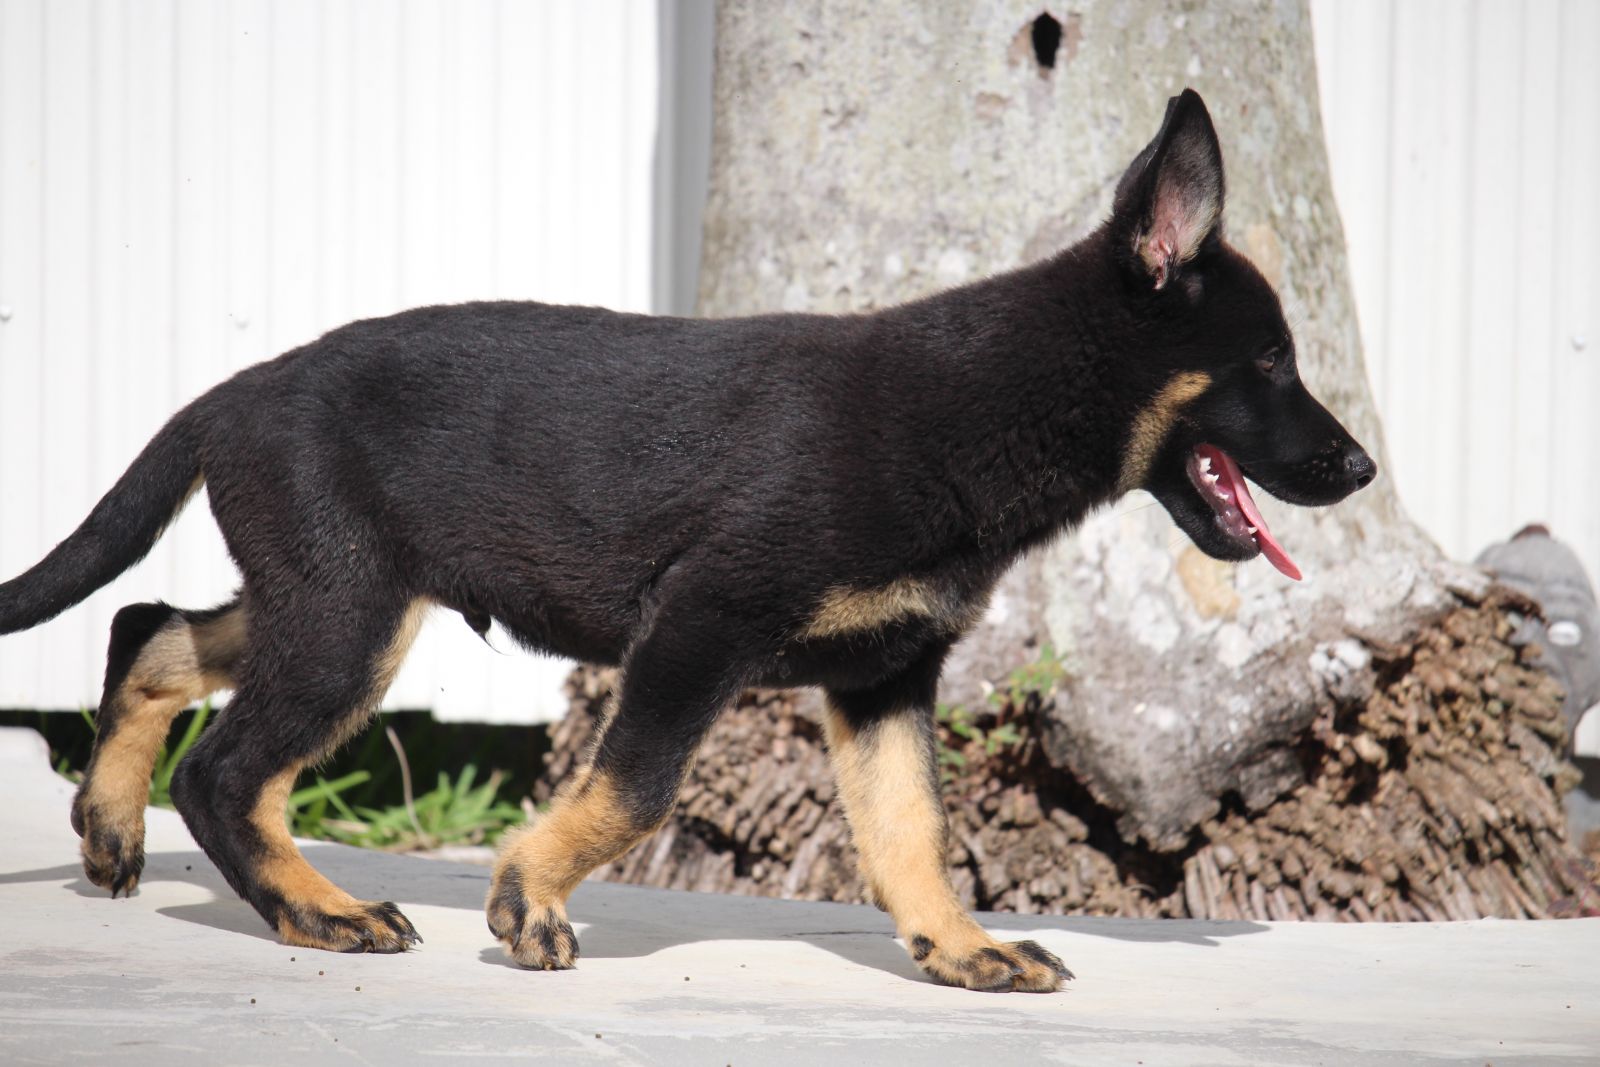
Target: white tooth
(1211, 479)
(1205, 463)
(1252, 531)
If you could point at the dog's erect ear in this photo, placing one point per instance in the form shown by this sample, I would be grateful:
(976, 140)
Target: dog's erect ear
(1170, 199)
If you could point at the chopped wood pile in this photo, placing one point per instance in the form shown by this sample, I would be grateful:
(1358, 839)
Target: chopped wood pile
(1436, 797)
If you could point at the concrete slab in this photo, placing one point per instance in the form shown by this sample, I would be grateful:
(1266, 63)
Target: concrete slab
(185, 973)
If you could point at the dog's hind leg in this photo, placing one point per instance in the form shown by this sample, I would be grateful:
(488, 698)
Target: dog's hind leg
(883, 749)
(674, 685)
(319, 662)
(161, 660)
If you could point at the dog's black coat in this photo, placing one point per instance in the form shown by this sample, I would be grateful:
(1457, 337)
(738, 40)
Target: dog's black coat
(682, 495)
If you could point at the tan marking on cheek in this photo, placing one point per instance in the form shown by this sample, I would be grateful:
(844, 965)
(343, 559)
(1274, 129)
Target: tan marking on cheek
(1151, 426)
(586, 826)
(845, 610)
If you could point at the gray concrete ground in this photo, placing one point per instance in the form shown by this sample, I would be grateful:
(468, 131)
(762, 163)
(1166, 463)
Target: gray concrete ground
(184, 972)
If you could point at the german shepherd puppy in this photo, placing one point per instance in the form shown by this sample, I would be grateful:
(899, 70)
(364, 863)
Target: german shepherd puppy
(786, 500)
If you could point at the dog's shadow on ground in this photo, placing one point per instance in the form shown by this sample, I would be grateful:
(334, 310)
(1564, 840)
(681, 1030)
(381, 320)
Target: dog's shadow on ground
(618, 921)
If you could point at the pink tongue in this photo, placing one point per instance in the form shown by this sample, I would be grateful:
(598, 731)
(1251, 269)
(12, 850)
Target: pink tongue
(1241, 496)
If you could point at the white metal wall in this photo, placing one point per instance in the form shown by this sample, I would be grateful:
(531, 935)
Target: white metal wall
(189, 187)
(1465, 145)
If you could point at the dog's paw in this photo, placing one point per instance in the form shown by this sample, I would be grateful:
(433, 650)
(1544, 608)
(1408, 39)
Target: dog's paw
(112, 848)
(1024, 966)
(362, 926)
(535, 936)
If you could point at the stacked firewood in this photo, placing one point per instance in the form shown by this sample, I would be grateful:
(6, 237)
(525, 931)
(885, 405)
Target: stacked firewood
(1434, 798)
(1438, 798)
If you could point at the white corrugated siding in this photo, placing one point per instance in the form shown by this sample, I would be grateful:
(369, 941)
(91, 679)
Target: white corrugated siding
(187, 188)
(1465, 145)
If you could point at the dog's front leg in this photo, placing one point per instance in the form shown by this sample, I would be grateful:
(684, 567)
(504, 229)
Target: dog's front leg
(883, 748)
(674, 684)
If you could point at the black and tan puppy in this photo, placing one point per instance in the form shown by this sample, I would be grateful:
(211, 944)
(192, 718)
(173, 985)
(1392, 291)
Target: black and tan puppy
(784, 500)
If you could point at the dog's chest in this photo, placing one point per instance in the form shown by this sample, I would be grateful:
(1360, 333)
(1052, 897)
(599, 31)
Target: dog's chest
(857, 636)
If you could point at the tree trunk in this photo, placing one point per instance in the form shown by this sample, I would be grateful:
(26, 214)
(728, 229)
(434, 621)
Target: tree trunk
(864, 154)
(1206, 739)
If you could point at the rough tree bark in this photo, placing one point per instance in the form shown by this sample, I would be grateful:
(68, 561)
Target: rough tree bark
(866, 153)
(1220, 741)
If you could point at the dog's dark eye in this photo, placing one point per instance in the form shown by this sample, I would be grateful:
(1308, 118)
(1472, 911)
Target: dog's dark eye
(1267, 361)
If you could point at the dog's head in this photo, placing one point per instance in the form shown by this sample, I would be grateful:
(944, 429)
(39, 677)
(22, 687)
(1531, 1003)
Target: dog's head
(1225, 397)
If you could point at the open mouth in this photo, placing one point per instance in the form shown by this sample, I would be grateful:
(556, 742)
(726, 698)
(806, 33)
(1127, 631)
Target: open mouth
(1221, 485)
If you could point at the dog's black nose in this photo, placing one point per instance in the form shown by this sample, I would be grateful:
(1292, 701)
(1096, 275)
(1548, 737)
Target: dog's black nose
(1359, 466)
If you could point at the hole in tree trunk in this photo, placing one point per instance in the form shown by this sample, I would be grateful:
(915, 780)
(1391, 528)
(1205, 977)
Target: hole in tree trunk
(1046, 33)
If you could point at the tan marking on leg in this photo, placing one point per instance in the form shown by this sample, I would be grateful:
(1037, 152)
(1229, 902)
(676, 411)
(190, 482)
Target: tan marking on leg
(317, 913)
(384, 669)
(219, 643)
(283, 868)
(180, 664)
(405, 636)
(1151, 426)
(589, 823)
(844, 610)
(898, 827)
(275, 797)
(540, 865)
(888, 783)
(585, 827)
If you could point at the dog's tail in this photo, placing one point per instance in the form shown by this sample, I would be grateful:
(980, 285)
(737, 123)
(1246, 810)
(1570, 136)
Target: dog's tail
(118, 533)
